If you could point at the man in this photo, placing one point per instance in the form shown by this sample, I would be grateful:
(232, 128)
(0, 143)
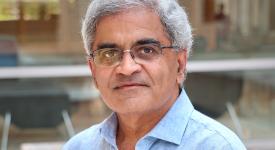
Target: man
(138, 52)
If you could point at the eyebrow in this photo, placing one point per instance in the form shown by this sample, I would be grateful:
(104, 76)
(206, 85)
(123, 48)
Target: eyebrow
(106, 45)
(138, 42)
(147, 41)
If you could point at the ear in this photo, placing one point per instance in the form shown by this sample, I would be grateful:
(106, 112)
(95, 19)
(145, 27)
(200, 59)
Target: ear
(182, 60)
(92, 68)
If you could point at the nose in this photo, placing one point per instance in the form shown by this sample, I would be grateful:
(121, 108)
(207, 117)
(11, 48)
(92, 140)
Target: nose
(127, 65)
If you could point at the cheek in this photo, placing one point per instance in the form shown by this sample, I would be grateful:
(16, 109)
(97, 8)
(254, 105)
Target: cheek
(164, 75)
(102, 78)
(169, 74)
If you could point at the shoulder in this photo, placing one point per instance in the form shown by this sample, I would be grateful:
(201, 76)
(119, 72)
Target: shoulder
(85, 138)
(211, 133)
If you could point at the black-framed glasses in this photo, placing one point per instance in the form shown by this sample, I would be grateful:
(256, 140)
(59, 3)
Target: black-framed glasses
(140, 53)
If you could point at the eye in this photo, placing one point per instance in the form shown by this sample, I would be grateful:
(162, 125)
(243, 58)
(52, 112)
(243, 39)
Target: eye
(147, 50)
(109, 53)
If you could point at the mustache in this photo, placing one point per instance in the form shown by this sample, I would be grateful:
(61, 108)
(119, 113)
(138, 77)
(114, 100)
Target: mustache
(120, 81)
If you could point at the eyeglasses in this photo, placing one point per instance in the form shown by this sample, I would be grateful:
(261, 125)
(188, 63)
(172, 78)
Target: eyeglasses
(140, 53)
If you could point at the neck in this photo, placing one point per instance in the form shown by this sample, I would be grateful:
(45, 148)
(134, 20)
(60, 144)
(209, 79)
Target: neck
(135, 126)
(132, 127)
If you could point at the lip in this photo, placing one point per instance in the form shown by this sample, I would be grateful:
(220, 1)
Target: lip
(129, 86)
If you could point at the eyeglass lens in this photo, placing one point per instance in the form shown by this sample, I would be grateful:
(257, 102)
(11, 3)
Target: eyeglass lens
(111, 56)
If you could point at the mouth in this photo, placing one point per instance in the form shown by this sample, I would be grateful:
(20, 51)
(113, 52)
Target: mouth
(129, 86)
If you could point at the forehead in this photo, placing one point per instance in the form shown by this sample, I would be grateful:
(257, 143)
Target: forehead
(129, 26)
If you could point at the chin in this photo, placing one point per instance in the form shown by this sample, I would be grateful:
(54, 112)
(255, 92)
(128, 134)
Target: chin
(131, 105)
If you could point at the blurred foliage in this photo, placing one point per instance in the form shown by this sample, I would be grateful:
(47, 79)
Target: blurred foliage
(9, 9)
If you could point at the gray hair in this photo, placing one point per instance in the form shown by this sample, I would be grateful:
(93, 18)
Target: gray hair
(172, 16)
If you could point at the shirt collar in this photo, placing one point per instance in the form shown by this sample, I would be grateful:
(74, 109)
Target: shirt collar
(170, 128)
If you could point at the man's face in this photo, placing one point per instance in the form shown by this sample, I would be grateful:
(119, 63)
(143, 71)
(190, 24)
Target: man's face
(131, 87)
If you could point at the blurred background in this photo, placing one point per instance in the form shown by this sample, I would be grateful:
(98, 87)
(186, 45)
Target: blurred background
(46, 91)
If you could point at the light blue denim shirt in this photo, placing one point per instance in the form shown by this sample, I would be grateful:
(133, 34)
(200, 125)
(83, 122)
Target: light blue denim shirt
(182, 128)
